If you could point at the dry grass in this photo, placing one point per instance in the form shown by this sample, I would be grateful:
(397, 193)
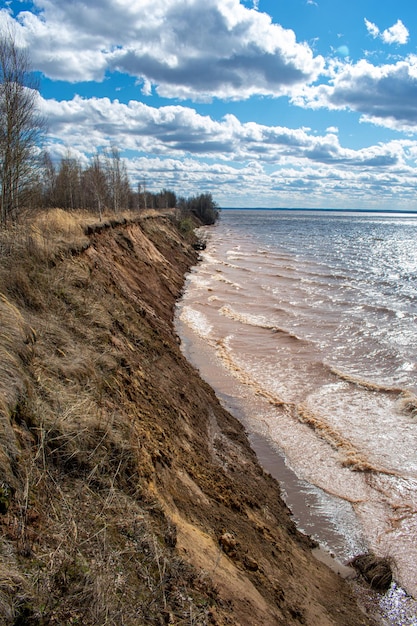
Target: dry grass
(84, 540)
(44, 235)
(15, 351)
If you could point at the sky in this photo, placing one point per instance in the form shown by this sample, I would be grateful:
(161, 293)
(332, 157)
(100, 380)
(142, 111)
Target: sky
(263, 103)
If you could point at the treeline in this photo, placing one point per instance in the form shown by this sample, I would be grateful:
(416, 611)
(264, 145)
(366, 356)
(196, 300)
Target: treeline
(202, 206)
(103, 185)
(30, 178)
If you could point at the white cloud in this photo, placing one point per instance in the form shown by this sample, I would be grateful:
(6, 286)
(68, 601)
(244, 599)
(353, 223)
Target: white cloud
(372, 28)
(385, 94)
(220, 48)
(286, 184)
(180, 132)
(245, 164)
(194, 49)
(397, 33)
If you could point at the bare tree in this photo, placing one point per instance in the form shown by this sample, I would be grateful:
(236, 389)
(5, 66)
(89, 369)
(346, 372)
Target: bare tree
(96, 185)
(144, 195)
(118, 181)
(68, 183)
(21, 127)
(48, 180)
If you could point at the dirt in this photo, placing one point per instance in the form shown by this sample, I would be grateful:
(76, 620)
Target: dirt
(136, 498)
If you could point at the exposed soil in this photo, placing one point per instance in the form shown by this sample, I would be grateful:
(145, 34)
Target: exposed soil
(128, 495)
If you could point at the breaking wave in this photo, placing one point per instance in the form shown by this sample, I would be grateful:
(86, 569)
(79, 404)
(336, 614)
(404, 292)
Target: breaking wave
(257, 321)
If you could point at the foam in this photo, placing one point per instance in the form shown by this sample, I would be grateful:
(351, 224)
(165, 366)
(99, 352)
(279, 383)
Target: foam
(257, 321)
(351, 457)
(197, 321)
(366, 384)
(223, 352)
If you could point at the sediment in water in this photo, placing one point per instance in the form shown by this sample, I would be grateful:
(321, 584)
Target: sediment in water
(125, 473)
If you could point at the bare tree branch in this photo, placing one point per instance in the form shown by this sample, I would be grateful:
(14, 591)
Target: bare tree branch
(21, 128)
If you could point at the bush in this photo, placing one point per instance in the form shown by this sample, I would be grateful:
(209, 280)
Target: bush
(203, 207)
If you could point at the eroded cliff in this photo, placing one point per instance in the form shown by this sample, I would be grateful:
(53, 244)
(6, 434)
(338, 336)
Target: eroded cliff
(128, 494)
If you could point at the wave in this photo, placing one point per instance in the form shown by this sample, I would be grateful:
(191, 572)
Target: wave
(258, 322)
(199, 281)
(365, 384)
(239, 256)
(222, 279)
(406, 399)
(197, 321)
(210, 258)
(324, 277)
(350, 455)
(408, 403)
(243, 376)
(384, 309)
(237, 267)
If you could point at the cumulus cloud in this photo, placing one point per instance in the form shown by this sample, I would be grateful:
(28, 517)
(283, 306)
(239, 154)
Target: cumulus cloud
(246, 164)
(180, 132)
(223, 49)
(197, 50)
(383, 94)
(397, 33)
(285, 184)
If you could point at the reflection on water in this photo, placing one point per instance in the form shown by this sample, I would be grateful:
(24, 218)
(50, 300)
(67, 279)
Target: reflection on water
(308, 323)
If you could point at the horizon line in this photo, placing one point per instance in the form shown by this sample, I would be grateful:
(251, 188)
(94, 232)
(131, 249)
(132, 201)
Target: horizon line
(332, 210)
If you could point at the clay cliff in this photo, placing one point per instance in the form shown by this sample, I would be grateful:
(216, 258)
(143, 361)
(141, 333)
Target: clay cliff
(128, 495)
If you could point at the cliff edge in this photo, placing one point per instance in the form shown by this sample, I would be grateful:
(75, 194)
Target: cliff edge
(128, 495)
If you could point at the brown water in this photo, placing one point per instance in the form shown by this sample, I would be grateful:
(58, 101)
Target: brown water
(294, 346)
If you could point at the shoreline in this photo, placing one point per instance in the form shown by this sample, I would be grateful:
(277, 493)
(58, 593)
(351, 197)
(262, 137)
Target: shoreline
(313, 522)
(302, 505)
(142, 499)
(301, 501)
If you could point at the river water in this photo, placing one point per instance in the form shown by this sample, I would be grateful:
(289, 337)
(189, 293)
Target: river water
(304, 323)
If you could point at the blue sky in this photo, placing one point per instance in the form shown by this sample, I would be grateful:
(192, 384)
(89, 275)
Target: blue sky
(268, 103)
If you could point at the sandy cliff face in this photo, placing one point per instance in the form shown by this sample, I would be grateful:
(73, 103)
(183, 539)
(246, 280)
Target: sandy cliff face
(129, 495)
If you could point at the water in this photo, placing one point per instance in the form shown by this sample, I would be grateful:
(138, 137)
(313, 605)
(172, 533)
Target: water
(305, 325)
